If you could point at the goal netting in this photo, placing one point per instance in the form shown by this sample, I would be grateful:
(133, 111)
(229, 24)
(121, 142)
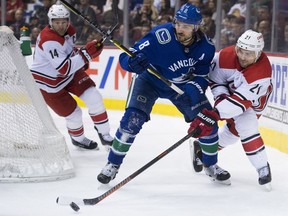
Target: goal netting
(31, 147)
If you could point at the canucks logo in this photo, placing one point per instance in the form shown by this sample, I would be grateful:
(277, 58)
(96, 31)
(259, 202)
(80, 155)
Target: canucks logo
(163, 36)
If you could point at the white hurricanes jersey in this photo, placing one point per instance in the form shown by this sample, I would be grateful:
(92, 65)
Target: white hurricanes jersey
(55, 59)
(249, 87)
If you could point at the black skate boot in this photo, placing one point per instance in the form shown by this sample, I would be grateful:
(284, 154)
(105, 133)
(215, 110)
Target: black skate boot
(265, 177)
(108, 173)
(86, 144)
(218, 174)
(196, 155)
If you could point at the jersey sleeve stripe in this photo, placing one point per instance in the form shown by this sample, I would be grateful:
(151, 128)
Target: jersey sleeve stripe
(236, 103)
(65, 68)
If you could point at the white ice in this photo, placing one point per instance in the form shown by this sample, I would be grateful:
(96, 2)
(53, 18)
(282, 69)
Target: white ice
(168, 188)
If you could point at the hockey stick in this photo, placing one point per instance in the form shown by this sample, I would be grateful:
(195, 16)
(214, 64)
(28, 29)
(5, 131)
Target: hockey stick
(94, 201)
(107, 34)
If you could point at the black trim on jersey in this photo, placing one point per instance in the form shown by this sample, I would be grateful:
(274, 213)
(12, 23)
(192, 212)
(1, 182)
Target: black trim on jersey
(43, 75)
(217, 85)
(213, 84)
(63, 63)
(268, 93)
(56, 86)
(256, 152)
(240, 95)
(251, 137)
(229, 82)
(236, 103)
(69, 69)
(102, 122)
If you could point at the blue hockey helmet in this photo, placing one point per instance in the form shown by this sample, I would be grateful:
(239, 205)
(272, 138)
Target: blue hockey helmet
(189, 14)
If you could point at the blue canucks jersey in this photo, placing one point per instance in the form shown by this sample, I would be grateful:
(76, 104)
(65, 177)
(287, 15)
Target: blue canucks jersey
(176, 62)
(185, 66)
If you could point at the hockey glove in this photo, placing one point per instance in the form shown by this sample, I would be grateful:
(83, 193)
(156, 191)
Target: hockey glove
(91, 50)
(138, 63)
(193, 93)
(204, 123)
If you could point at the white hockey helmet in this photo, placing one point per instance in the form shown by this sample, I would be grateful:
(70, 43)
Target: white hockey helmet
(57, 11)
(252, 41)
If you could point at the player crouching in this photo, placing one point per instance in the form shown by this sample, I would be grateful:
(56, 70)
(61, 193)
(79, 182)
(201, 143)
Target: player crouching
(241, 85)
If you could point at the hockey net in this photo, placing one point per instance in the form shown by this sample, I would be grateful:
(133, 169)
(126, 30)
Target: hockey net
(31, 147)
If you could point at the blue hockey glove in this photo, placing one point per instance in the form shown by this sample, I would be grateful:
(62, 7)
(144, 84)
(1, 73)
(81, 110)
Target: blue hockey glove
(193, 93)
(138, 63)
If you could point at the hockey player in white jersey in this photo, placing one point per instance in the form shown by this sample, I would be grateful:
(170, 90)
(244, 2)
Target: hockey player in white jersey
(241, 85)
(59, 70)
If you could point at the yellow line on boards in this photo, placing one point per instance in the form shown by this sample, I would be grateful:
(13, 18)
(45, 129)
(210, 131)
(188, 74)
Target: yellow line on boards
(271, 137)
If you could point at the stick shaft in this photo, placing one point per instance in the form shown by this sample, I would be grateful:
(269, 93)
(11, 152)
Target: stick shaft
(151, 69)
(94, 201)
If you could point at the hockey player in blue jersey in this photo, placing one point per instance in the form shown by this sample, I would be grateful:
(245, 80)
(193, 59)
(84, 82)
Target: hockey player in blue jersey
(182, 54)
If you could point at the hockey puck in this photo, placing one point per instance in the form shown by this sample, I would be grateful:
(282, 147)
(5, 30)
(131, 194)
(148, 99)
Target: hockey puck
(74, 206)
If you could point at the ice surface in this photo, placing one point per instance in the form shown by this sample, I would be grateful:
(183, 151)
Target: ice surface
(168, 188)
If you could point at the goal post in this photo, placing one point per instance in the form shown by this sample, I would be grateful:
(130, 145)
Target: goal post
(31, 147)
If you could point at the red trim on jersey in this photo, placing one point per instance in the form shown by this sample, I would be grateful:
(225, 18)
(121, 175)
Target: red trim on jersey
(231, 126)
(71, 30)
(48, 34)
(50, 81)
(65, 69)
(229, 60)
(261, 70)
(99, 118)
(76, 132)
(245, 103)
(253, 145)
(263, 100)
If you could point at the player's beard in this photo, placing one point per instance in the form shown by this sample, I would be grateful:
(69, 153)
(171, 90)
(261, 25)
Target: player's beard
(243, 63)
(185, 40)
(61, 31)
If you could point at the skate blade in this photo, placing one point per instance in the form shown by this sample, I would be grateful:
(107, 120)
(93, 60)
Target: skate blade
(225, 182)
(83, 149)
(107, 148)
(267, 187)
(104, 186)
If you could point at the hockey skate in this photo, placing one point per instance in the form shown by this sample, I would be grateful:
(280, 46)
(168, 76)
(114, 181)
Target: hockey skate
(108, 173)
(217, 174)
(86, 144)
(265, 177)
(196, 155)
(105, 139)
